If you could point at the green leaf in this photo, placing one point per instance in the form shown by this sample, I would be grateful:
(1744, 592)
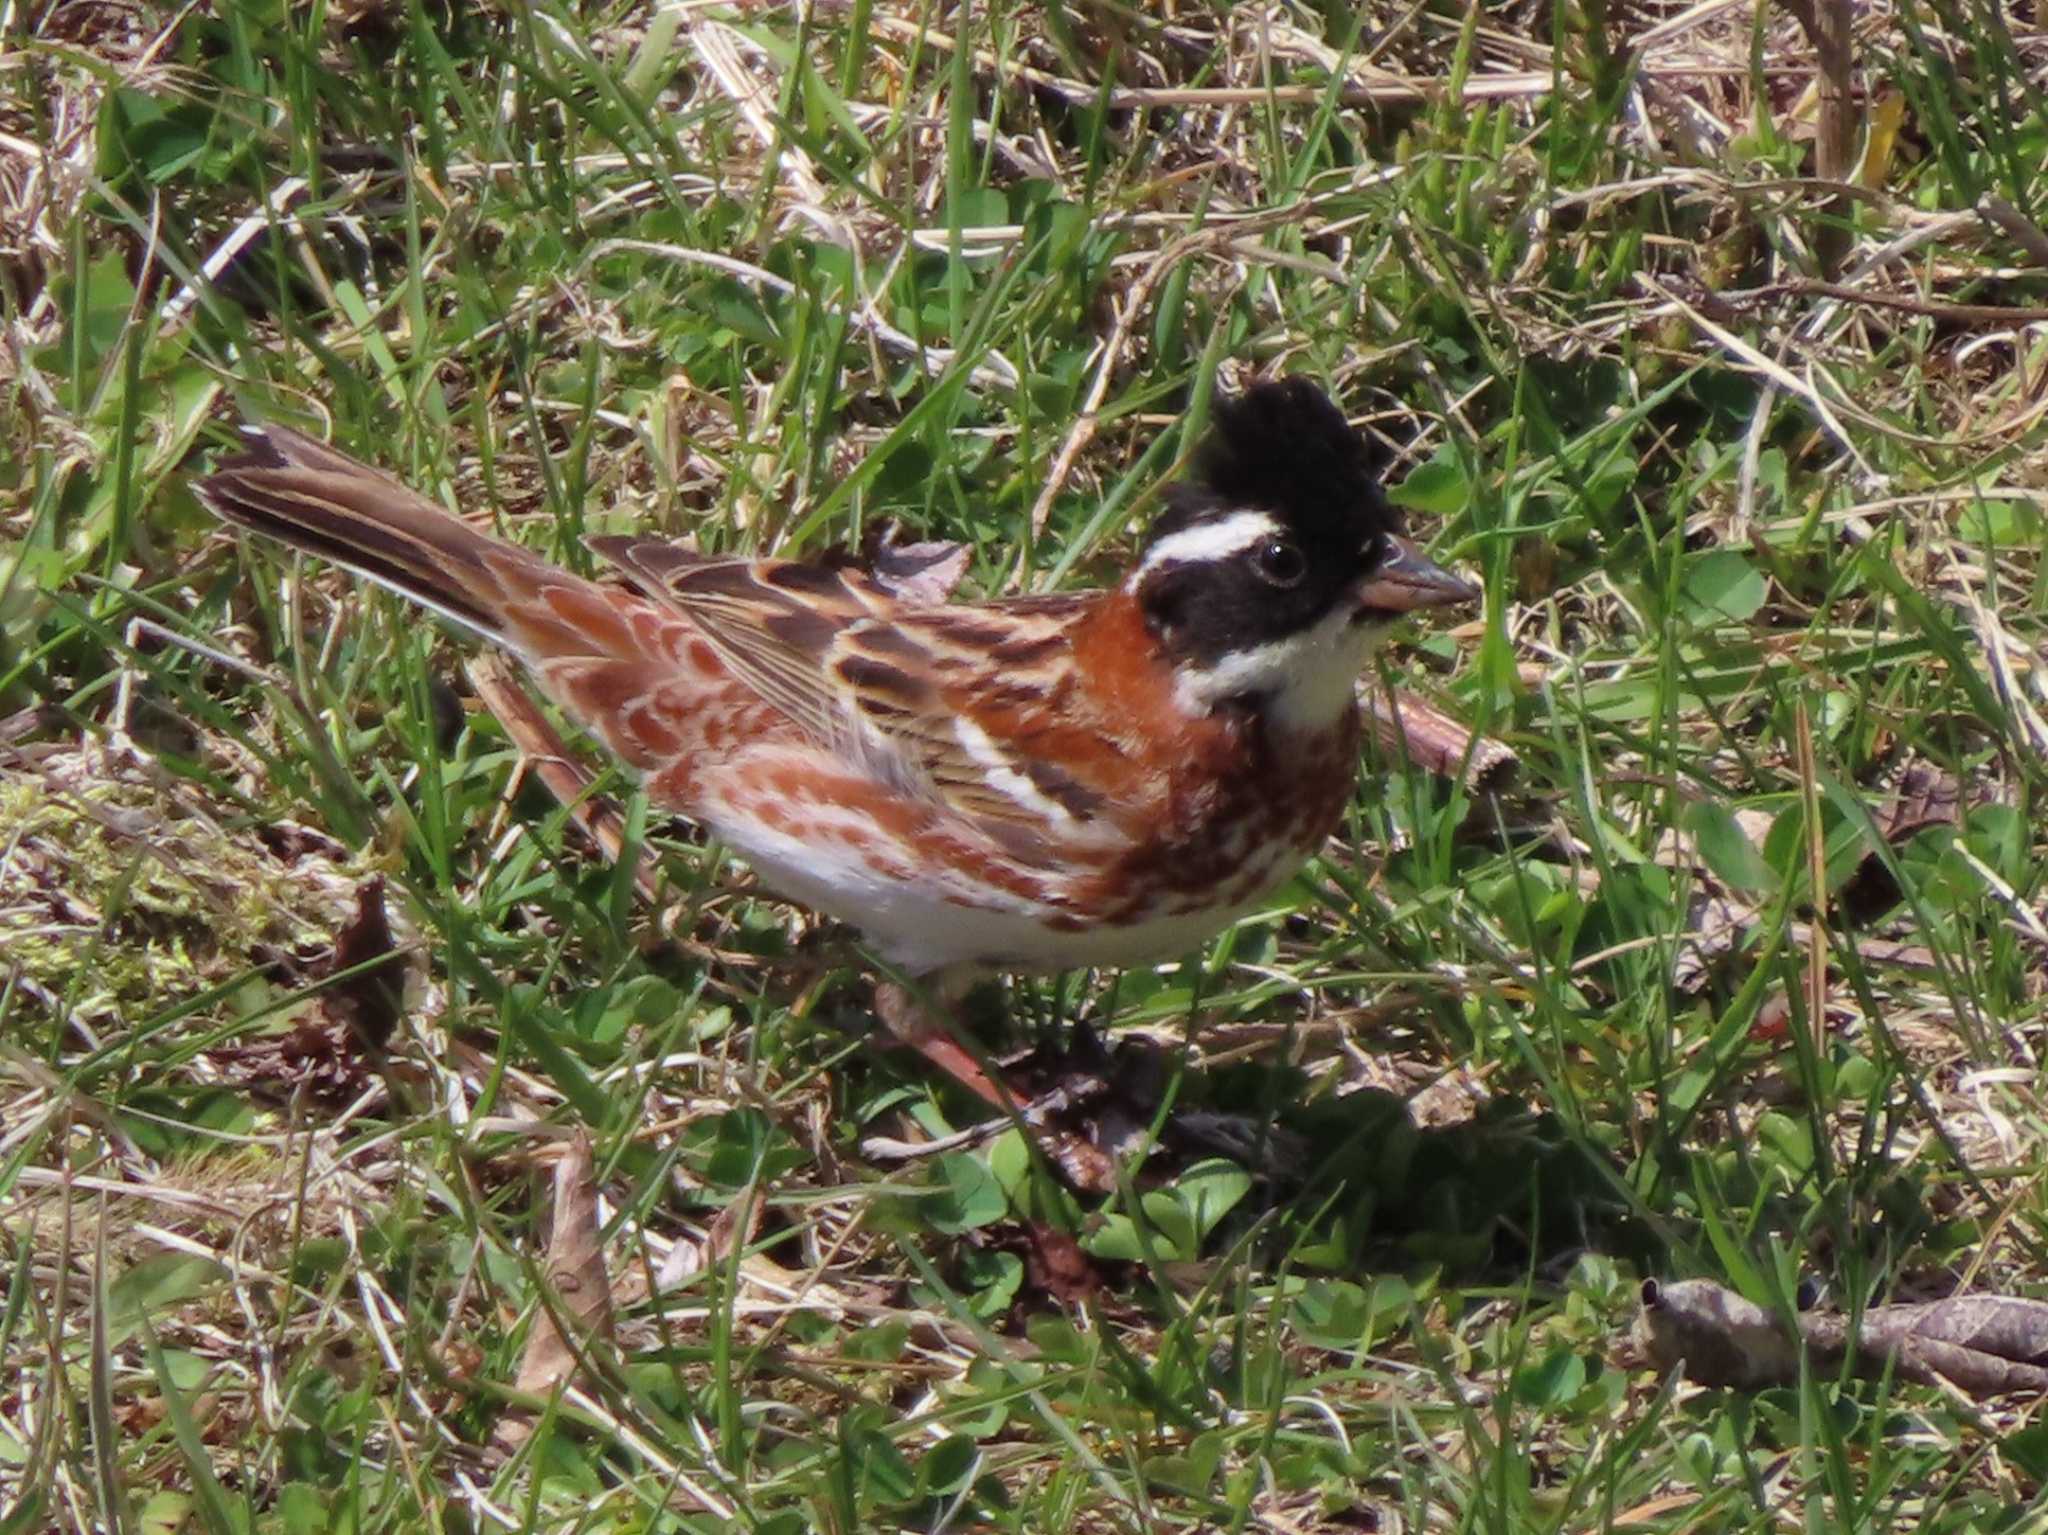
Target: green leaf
(873, 1463)
(2027, 1448)
(1554, 1381)
(642, 1002)
(98, 301)
(981, 207)
(992, 1280)
(1210, 1190)
(1844, 845)
(186, 1370)
(166, 1512)
(2004, 524)
(158, 1283)
(1009, 1160)
(881, 1343)
(1726, 849)
(301, 1509)
(1169, 1223)
(1607, 484)
(1116, 1239)
(217, 1509)
(1438, 488)
(740, 1147)
(968, 1195)
(1998, 835)
(947, 1465)
(983, 1408)
(1723, 587)
(1173, 1226)
(1060, 1342)
(1786, 1142)
(1193, 1470)
(1337, 1314)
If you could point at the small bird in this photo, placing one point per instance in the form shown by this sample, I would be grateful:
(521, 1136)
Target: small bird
(1035, 783)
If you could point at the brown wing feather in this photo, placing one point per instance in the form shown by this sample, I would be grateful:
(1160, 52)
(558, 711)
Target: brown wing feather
(939, 700)
(1002, 684)
(771, 621)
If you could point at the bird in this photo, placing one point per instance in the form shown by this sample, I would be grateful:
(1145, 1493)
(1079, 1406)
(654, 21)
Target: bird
(1026, 784)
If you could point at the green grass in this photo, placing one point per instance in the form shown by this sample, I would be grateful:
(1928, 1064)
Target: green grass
(1764, 623)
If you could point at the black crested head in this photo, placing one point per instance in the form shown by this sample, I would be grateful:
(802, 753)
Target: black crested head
(1283, 445)
(1280, 520)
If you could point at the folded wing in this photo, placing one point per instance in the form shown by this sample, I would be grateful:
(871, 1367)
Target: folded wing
(939, 701)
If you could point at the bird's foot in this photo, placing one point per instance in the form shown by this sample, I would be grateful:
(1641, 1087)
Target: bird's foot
(909, 1019)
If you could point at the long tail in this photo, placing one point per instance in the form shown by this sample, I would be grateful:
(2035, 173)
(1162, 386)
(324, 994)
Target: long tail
(599, 649)
(301, 492)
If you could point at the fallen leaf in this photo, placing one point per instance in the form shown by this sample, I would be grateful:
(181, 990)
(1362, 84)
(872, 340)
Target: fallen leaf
(369, 1003)
(1055, 1264)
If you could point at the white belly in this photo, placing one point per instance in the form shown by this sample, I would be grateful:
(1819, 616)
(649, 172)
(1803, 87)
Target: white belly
(924, 922)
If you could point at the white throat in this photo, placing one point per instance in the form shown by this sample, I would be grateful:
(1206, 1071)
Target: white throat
(1306, 680)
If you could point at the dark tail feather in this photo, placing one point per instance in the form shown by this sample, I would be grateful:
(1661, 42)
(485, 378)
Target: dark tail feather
(302, 493)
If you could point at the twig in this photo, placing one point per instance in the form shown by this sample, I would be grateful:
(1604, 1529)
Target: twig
(1827, 24)
(2016, 227)
(1933, 309)
(1403, 723)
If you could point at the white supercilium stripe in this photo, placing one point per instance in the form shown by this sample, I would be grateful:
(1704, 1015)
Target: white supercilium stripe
(1216, 540)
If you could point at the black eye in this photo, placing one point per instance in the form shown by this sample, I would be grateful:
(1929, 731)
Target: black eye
(1280, 562)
